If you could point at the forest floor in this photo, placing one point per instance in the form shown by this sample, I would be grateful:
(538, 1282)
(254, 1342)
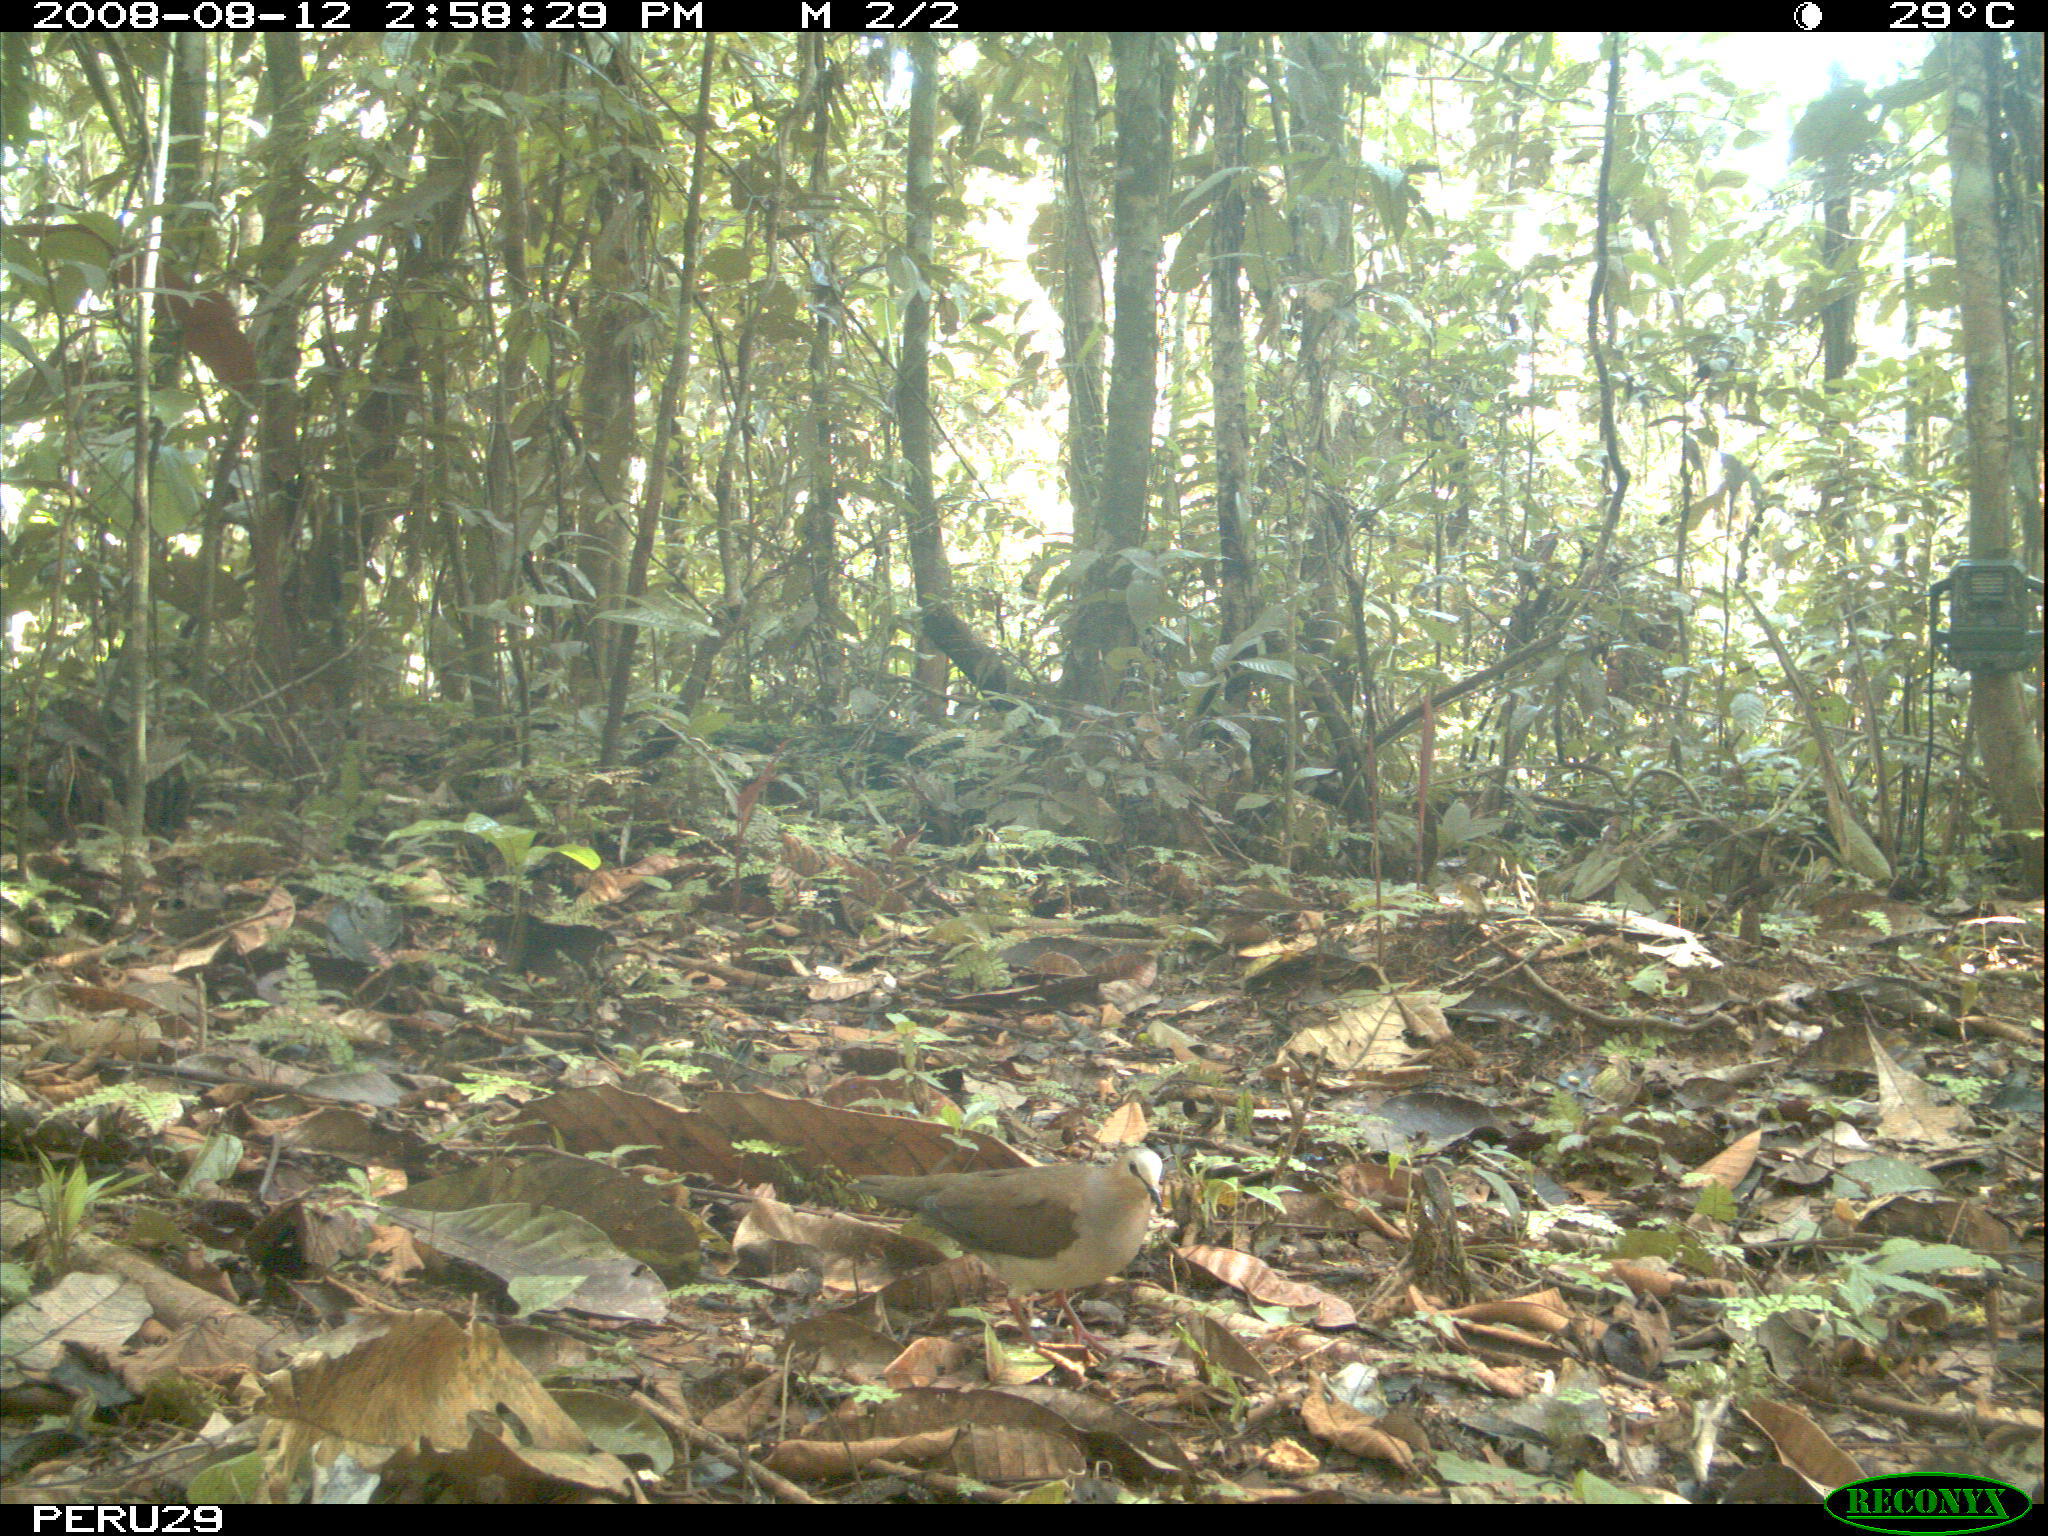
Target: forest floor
(400, 1161)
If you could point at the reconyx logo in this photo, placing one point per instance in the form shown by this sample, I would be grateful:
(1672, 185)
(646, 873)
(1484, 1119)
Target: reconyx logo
(1924, 1502)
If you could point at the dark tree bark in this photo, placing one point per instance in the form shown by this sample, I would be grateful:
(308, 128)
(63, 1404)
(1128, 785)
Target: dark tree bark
(1101, 623)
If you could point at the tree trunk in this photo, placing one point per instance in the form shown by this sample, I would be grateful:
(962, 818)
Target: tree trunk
(1999, 719)
(1101, 623)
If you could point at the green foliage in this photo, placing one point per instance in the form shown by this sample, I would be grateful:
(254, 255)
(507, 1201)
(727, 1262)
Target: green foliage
(1415, 455)
(978, 964)
(1870, 1286)
(773, 1151)
(1746, 1314)
(632, 1062)
(67, 1198)
(358, 1189)
(237, 1480)
(151, 1108)
(519, 849)
(48, 906)
(1964, 1090)
(871, 1394)
(300, 1020)
(1222, 1194)
(294, 1030)
(17, 1282)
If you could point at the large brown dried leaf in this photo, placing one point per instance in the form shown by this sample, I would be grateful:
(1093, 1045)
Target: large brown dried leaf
(822, 1459)
(497, 1467)
(1262, 1283)
(1345, 1427)
(518, 1240)
(1731, 1165)
(1803, 1445)
(417, 1382)
(773, 1237)
(633, 1213)
(1907, 1111)
(1225, 1350)
(1360, 1036)
(1000, 1438)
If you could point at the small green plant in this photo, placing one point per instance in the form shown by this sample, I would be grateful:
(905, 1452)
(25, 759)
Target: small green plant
(44, 902)
(1964, 1090)
(296, 988)
(172, 1397)
(774, 1151)
(1590, 1271)
(17, 1283)
(911, 1038)
(631, 1063)
(299, 1020)
(1867, 1281)
(480, 1087)
(872, 1394)
(519, 849)
(712, 1290)
(977, 1112)
(1220, 1379)
(1654, 980)
(1561, 1114)
(1006, 858)
(978, 964)
(1741, 1373)
(152, 1108)
(620, 1155)
(342, 884)
(1176, 858)
(1226, 1193)
(1746, 1314)
(358, 1191)
(66, 1197)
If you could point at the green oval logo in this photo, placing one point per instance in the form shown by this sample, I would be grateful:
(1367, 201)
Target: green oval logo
(1918, 1502)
